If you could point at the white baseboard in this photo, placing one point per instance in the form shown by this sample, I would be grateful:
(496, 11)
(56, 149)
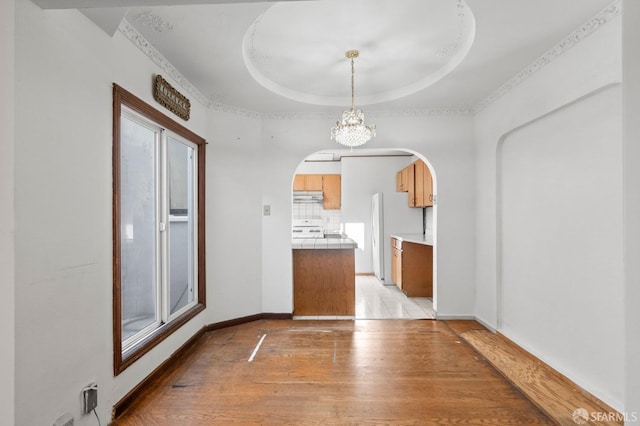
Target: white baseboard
(466, 317)
(455, 317)
(487, 326)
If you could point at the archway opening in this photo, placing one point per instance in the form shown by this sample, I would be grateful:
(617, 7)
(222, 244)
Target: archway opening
(373, 211)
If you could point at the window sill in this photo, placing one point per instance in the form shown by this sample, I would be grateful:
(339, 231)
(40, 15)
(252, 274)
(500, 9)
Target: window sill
(151, 341)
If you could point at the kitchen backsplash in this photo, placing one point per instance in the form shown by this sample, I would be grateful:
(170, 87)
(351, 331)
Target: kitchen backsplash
(332, 218)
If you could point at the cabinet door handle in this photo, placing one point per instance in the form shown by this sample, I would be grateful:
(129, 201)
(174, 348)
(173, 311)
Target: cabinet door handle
(430, 197)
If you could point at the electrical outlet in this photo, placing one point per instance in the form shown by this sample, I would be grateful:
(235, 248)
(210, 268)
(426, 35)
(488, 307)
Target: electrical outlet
(65, 420)
(266, 210)
(89, 398)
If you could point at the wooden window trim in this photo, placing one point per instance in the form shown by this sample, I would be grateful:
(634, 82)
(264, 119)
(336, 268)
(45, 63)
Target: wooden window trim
(121, 97)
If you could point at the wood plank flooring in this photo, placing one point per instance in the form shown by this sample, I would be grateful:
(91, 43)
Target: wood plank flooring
(557, 396)
(376, 372)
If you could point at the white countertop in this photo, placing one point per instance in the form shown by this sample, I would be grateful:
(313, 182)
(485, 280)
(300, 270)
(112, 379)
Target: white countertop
(323, 243)
(426, 239)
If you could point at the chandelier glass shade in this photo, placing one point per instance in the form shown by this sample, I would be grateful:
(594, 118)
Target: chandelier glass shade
(350, 130)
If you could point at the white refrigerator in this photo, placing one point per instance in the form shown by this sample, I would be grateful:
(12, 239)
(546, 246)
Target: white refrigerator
(377, 236)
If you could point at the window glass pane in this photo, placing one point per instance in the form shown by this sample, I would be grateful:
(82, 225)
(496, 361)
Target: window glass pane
(181, 225)
(138, 228)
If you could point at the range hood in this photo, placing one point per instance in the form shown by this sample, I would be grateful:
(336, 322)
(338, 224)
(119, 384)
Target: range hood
(301, 197)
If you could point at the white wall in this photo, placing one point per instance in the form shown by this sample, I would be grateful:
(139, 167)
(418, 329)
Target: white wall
(560, 251)
(631, 99)
(562, 85)
(65, 67)
(361, 178)
(7, 252)
(320, 167)
(447, 142)
(234, 222)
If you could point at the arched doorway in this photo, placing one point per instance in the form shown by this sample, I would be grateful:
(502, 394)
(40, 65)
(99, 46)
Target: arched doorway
(363, 174)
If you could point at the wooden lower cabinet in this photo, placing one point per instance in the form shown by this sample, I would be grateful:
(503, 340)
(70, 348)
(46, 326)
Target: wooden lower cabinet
(396, 263)
(324, 282)
(412, 268)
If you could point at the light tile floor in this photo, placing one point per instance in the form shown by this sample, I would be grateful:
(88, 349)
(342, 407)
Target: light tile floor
(375, 300)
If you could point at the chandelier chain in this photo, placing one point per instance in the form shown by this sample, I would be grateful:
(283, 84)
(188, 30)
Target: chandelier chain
(351, 130)
(353, 90)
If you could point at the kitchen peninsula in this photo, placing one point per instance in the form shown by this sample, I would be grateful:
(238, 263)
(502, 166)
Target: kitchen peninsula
(324, 277)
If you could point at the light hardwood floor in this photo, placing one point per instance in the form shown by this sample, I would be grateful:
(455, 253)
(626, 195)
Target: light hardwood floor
(364, 372)
(553, 393)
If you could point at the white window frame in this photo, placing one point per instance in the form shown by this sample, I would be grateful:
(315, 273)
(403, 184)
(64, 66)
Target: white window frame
(162, 221)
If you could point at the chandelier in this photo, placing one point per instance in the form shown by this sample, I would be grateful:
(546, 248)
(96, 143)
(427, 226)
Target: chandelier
(350, 130)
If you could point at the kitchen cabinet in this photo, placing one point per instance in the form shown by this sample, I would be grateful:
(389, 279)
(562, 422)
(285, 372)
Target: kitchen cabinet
(332, 192)
(324, 282)
(423, 185)
(307, 183)
(402, 180)
(412, 267)
(416, 180)
(330, 185)
(396, 263)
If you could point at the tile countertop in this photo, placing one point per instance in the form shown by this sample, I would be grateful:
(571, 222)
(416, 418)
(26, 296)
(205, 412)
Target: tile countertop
(426, 239)
(323, 243)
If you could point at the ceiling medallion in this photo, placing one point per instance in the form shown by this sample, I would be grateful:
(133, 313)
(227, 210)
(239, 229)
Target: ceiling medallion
(410, 45)
(351, 130)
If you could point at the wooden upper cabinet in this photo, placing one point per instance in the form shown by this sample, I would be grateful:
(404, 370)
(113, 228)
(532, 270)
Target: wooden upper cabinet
(402, 180)
(330, 185)
(411, 184)
(313, 183)
(332, 192)
(407, 176)
(298, 182)
(428, 186)
(424, 194)
(423, 185)
(416, 180)
(418, 188)
(307, 183)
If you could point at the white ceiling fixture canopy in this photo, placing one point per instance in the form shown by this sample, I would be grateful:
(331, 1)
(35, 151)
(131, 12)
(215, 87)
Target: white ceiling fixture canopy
(293, 49)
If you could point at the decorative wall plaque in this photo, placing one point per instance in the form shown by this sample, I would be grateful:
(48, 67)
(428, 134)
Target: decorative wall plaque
(165, 94)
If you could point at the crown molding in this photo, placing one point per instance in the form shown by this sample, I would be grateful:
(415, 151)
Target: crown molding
(601, 19)
(423, 112)
(138, 40)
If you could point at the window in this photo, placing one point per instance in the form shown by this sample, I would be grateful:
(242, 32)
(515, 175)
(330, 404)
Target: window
(158, 227)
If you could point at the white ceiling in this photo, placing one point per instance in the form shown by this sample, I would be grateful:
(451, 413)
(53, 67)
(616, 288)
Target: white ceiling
(296, 48)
